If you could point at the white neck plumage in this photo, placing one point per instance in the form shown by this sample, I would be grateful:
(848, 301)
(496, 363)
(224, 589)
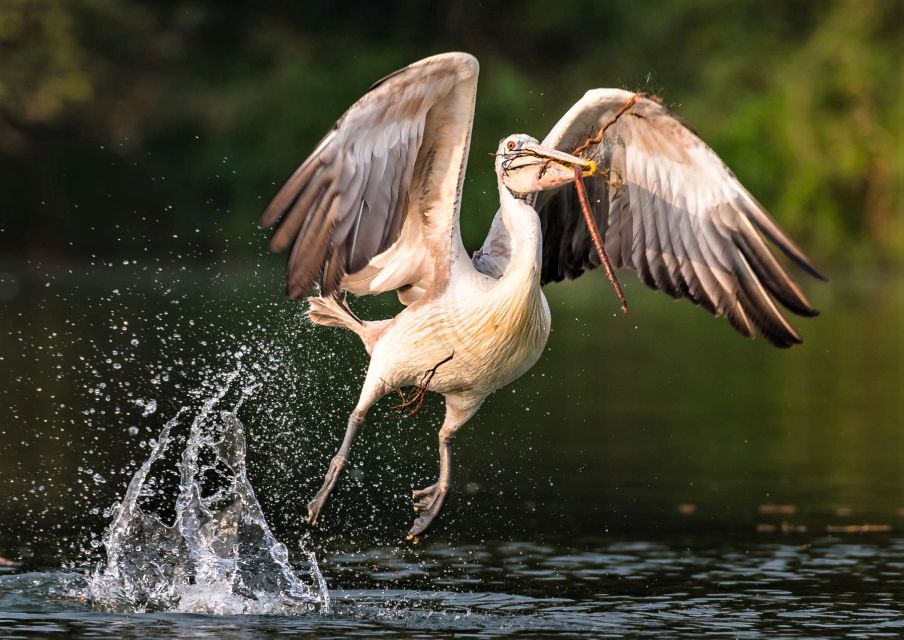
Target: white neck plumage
(523, 226)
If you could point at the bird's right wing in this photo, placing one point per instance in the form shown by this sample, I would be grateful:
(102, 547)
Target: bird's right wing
(671, 211)
(375, 207)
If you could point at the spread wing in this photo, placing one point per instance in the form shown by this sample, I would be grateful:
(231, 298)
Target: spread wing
(671, 211)
(375, 207)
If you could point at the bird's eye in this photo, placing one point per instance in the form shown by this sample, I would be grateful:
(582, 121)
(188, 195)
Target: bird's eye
(510, 145)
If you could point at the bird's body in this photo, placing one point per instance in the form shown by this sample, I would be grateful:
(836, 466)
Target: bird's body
(375, 208)
(494, 329)
(484, 338)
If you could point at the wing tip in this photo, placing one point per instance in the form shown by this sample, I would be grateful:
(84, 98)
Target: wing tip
(813, 271)
(781, 337)
(758, 215)
(788, 341)
(270, 216)
(277, 244)
(464, 63)
(799, 258)
(296, 291)
(778, 331)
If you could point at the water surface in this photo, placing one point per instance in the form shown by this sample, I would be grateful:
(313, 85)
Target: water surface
(685, 586)
(653, 475)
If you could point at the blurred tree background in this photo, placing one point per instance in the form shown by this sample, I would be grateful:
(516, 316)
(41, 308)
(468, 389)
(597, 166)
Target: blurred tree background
(182, 118)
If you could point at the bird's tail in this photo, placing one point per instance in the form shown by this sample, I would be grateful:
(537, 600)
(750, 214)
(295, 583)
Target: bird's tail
(333, 312)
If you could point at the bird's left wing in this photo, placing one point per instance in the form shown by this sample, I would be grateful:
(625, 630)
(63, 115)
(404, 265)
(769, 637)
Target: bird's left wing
(671, 211)
(375, 206)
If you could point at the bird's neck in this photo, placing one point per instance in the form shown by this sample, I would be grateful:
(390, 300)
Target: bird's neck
(523, 226)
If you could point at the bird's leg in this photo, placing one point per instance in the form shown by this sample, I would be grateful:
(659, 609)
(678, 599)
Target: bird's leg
(374, 389)
(336, 465)
(429, 501)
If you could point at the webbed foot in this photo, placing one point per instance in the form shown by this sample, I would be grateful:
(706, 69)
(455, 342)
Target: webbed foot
(427, 504)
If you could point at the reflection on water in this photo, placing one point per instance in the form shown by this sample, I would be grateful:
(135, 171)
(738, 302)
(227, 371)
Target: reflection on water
(731, 460)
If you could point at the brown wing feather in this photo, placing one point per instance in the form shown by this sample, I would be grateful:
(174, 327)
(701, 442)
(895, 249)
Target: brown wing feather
(395, 155)
(672, 212)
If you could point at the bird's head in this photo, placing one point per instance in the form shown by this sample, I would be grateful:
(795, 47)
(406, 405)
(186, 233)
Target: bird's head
(525, 166)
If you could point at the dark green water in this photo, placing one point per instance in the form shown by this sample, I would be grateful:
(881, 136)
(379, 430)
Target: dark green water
(653, 475)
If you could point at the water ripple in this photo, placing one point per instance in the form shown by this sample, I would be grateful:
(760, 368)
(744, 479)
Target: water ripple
(827, 587)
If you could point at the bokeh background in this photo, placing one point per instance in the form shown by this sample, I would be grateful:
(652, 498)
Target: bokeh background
(139, 142)
(198, 108)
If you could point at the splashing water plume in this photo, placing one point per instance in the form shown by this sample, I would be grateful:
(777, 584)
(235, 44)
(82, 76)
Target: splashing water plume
(219, 555)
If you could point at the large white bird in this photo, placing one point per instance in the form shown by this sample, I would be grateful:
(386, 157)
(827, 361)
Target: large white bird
(375, 208)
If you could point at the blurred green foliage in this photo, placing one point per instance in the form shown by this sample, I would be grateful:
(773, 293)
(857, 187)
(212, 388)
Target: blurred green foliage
(183, 117)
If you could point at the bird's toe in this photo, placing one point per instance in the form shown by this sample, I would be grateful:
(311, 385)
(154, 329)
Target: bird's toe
(421, 523)
(420, 493)
(427, 504)
(314, 507)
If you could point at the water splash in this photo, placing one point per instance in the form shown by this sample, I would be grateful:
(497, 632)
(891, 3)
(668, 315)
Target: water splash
(219, 555)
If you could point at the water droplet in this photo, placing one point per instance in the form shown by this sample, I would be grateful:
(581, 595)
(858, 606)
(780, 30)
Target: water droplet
(149, 408)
